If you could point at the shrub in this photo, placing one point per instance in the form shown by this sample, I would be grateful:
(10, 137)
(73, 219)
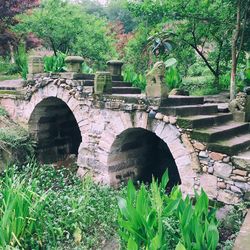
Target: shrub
(137, 80)
(173, 78)
(55, 63)
(147, 219)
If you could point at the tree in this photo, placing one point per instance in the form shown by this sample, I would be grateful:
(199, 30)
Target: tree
(9, 9)
(66, 27)
(202, 25)
(238, 38)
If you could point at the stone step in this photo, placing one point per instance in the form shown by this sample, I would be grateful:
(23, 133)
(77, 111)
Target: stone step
(115, 84)
(242, 160)
(182, 100)
(199, 121)
(231, 146)
(190, 110)
(220, 132)
(121, 84)
(126, 90)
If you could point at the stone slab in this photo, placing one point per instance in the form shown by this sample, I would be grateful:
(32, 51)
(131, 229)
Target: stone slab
(243, 239)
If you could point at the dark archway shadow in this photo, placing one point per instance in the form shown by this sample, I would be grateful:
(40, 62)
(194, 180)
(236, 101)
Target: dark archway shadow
(139, 154)
(55, 130)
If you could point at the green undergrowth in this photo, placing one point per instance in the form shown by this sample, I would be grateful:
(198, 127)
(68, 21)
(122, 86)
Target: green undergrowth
(73, 213)
(15, 142)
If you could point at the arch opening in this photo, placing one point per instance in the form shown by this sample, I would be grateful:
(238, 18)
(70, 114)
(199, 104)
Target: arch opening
(55, 130)
(139, 154)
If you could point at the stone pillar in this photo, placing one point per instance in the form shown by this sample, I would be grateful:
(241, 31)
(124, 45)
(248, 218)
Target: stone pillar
(74, 64)
(103, 82)
(35, 65)
(115, 68)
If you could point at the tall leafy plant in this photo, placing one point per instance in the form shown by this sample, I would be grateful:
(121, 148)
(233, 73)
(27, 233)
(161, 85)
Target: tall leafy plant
(145, 217)
(55, 63)
(21, 60)
(20, 208)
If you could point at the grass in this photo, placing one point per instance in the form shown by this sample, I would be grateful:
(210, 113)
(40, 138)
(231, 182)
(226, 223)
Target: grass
(9, 77)
(76, 214)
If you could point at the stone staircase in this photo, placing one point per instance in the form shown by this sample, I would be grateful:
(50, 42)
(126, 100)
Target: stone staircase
(119, 87)
(218, 130)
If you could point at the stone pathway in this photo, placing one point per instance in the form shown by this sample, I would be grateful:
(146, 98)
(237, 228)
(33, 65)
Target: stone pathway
(13, 84)
(243, 240)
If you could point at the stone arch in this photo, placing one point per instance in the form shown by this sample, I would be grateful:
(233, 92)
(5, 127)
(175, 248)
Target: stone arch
(55, 128)
(137, 154)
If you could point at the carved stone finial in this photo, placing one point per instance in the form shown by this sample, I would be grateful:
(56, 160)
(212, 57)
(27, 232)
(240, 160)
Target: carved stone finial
(239, 103)
(74, 63)
(102, 82)
(156, 86)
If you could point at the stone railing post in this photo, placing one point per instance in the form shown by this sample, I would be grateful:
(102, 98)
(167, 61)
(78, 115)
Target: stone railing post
(74, 64)
(102, 82)
(115, 68)
(35, 65)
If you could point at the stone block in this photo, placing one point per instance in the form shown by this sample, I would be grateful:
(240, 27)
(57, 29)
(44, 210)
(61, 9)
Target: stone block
(222, 170)
(228, 197)
(209, 184)
(216, 156)
(156, 91)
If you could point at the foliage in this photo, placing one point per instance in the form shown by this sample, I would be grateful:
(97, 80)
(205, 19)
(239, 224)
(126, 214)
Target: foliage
(142, 215)
(173, 78)
(230, 226)
(55, 63)
(15, 141)
(76, 214)
(8, 10)
(137, 80)
(20, 210)
(86, 69)
(65, 27)
(21, 60)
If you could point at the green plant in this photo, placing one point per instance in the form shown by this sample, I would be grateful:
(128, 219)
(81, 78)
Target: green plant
(55, 63)
(20, 209)
(173, 78)
(86, 69)
(21, 61)
(143, 213)
(137, 80)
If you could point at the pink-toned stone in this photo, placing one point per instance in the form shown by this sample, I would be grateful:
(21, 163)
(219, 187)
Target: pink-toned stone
(238, 178)
(240, 172)
(221, 185)
(199, 146)
(216, 156)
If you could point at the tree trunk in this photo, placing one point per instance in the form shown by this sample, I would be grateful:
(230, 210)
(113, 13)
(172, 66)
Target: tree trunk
(234, 53)
(12, 54)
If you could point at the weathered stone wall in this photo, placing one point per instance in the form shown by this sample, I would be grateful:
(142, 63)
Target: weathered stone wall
(103, 120)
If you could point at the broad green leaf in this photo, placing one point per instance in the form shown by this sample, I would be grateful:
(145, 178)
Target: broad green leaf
(132, 245)
(180, 246)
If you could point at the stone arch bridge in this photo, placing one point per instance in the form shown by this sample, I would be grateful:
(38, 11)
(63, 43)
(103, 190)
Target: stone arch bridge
(121, 134)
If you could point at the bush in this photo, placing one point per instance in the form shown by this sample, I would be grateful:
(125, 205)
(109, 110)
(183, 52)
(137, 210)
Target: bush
(173, 78)
(147, 219)
(55, 63)
(137, 80)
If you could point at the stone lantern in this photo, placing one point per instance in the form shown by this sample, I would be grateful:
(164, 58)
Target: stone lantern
(74, 64)
(115, 68)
